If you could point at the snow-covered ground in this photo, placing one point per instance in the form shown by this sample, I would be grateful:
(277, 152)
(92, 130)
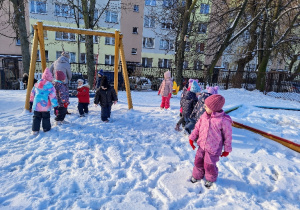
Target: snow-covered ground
(138, 161)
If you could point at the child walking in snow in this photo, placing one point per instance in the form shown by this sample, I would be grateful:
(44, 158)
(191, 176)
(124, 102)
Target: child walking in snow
(212, 132)
(105, 96)
(189, 101)
(199, 108)
(42, 96)
(83, 95)
(165, 90)
(186, 88)
(62, 94)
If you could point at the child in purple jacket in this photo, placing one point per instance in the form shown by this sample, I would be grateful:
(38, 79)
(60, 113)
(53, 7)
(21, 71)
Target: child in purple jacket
(212, 132)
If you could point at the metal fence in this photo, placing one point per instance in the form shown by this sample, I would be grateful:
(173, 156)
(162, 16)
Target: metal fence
(277, 83)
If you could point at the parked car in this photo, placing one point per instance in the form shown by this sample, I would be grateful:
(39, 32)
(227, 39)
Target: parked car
(139, 83)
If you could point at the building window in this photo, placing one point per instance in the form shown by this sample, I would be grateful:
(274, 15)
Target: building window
(185, 64)
(187, 46)
(63, 10)
(95, 39)
(164, 63)
(38, 7)
(147, 62)
(135, 30)
(150, 2)
(109, 60)
(202, 28)
(133, 51)
(82, 58)
(72, 57)
(111, 17)
(166, 44)
(109, 41)
(58, 54)
(167, 25)
(200, 47)
(204, 9)
(136, 8)
(149, 22)
(197, 65)
(18, 42)
(64, 36)
(148, 42)
(169, 3)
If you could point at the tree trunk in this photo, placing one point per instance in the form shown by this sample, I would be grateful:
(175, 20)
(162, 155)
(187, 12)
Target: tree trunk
(181, 46)
(21, 30)
(90, 63)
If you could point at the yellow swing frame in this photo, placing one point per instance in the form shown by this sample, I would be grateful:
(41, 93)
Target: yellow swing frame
(38, 38)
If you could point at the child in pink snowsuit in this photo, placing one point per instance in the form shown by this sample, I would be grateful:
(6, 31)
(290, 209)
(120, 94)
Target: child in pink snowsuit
(165, 90)
(212, 132)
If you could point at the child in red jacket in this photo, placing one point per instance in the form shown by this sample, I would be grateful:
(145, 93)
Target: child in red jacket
(83, 95)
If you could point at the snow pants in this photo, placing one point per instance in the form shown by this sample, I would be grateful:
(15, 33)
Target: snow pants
(37, 118)
(165, 102)
(83, 108)
(60, 113)
(205, 165)
(105, 112)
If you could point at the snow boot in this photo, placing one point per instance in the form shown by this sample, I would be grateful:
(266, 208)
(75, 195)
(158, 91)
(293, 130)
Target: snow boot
(177, 128)
(208, 184)
(35, 132)
(193, 180)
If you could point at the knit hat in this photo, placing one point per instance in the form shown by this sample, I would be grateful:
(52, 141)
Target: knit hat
(66, 54)
(104, 82)
(80, 80)
(101, 72)
(191, 81)
(167, 74)
(212, 90)
(195, 88)
(59, 75)
(215, 102)
(47, 75)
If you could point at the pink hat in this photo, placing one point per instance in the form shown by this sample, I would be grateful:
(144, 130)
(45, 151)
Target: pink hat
(167, 74)
(47, 75)
(213, 90)
(215, 102)
(59, 75)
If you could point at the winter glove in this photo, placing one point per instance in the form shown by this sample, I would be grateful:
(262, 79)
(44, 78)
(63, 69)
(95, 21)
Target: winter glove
(192, 144)
(158, 92)
(225, 154)
(66, 105)
(170, 95)
(30, 106)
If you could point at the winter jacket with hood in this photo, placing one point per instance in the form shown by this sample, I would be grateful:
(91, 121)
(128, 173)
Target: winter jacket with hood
(212, 132)
(199, 107)
(62, 93)
(188, 102)
(43, 95)
(105, 95)
(166, 86)
(83, 93)
(62, 64)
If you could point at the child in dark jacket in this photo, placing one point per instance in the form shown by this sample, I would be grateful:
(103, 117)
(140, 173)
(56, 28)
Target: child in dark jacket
(100, 75)
(189, 101)
(42, 96)
(105, 96)
(62, 94)
(83, 95)
(199, 108)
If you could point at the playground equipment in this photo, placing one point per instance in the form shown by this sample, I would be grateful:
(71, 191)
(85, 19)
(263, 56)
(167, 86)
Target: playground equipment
(38, 38)
(175, 88)
(284, 142)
